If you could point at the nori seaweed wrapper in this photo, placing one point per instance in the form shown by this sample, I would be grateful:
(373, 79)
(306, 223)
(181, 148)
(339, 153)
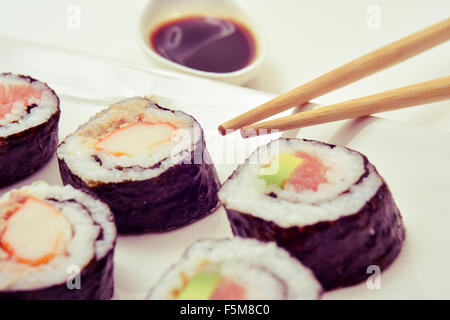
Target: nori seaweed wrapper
(23, 153)
(184, 193)
(339, 251)
(97, 283)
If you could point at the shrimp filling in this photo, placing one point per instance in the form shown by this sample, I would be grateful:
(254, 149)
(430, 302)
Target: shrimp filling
(136, 139)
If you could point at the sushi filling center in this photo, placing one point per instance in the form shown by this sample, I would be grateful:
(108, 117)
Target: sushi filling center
(137, 139)
(301, 171)
(211, 286)
(34, 232)
(228, 280)
(14, 99)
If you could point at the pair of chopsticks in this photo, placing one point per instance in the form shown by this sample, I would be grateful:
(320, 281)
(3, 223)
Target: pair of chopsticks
(391, 54)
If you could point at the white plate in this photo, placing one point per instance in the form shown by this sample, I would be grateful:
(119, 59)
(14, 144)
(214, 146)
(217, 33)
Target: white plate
(414, 161)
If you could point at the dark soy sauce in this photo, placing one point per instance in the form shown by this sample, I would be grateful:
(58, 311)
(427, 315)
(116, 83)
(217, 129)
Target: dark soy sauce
(205, 43)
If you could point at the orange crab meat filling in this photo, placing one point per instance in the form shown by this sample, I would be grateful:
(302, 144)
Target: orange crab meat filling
(137, 139)
(11, 94)
(35, 233)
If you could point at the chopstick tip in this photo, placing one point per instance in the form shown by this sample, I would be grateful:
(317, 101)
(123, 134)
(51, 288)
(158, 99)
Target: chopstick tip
(222, 130)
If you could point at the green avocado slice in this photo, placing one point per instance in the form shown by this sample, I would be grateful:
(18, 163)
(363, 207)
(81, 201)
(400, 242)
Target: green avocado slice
(200, 287)
(280, 169)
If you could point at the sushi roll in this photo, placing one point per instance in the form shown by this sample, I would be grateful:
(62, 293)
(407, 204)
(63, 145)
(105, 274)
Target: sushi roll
(148, 163)
(236, 269)
(29, 115)
(325, 204)
(55, 243)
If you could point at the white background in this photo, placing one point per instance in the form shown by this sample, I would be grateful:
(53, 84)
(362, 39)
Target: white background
(307, 39)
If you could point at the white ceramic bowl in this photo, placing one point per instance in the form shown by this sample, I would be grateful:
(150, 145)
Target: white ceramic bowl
(157, 12)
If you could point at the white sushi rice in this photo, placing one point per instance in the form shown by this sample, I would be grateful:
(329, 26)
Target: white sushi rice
(246, 192)
(79, 147)
(263, 269)
(82, 248)
(18, 119)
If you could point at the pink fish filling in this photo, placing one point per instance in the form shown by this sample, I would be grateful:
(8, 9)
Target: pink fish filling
(228, 290)
(309, 175)
(12, 94)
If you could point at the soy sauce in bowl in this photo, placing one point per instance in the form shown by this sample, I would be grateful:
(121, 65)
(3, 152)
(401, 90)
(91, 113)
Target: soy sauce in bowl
(205, 43)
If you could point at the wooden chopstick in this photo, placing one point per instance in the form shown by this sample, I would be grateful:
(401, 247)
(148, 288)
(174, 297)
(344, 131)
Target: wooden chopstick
(421, 93)
(357, 69)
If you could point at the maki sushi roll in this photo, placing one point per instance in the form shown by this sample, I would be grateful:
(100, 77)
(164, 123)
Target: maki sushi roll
(325, 204)
(55, 243)
(236, 269)
(148, 163)
(29, 115)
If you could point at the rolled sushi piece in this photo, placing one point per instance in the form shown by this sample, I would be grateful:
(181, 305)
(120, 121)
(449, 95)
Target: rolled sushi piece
(236, 269)
(29, 115)
(325, 204)
(55, 243)
(148, 163)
